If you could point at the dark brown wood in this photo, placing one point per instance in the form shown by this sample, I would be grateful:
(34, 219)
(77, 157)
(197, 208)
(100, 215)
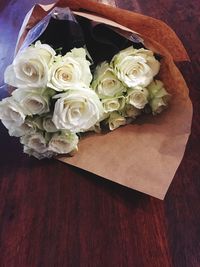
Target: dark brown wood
(52, 214)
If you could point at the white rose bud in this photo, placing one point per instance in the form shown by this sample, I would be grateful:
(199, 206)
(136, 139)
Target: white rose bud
(158, 105)
(138, 97)
(131, 111)
(63, 143)
(11, 114)
(159, 97)
(35, 141)
(96, 128)
(24, 129)
(32, 100)
(32, 152)
(77, 110)
(115, 120)
(48, 124)
(105, 82)
(30, 67)
(71, 69)
(135, 67)
(29, 126)
(112, 104)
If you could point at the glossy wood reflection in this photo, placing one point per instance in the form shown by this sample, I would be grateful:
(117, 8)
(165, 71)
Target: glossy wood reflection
(52, 214)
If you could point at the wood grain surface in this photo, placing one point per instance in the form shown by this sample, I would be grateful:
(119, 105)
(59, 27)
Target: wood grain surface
(52, 214)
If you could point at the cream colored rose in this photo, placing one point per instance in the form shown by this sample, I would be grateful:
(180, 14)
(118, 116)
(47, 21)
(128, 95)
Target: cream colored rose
(32, 100)
(77, 110)
(112, 104)
(135, 67)
(11, 114)
(137, 97)
(115, 120)
(105, 82)
(159, 97)
(35, 141)
(63, 143)
(69, 70)
(30, 67)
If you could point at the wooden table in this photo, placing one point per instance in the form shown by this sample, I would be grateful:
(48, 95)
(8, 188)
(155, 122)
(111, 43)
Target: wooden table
(55, 215)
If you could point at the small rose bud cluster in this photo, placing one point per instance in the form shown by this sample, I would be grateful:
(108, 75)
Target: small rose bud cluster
(126, 86)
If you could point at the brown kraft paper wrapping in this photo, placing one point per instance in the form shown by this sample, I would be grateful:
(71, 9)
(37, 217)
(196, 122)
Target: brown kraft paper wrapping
(145, 155)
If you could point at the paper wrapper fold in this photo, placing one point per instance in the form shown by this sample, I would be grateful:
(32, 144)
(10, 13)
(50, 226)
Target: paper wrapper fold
(145, 155)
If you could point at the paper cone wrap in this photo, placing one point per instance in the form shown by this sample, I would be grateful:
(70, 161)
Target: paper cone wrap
(145, 155)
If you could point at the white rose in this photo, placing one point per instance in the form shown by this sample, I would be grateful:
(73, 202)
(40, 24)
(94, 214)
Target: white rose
(48, 124)
(115, 120)
(159, 97)
(112, 104)
(11, 114)
(71, 69)
(63, 143)
(45, 51)
(32, 152)
(32, 100)
(35, 141)
(30, 67)
(138, 97)
(135, 67)
(152, 62)
(105, 82)
(77, 110)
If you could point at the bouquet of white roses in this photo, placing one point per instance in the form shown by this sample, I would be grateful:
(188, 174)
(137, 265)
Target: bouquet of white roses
(57, 98)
